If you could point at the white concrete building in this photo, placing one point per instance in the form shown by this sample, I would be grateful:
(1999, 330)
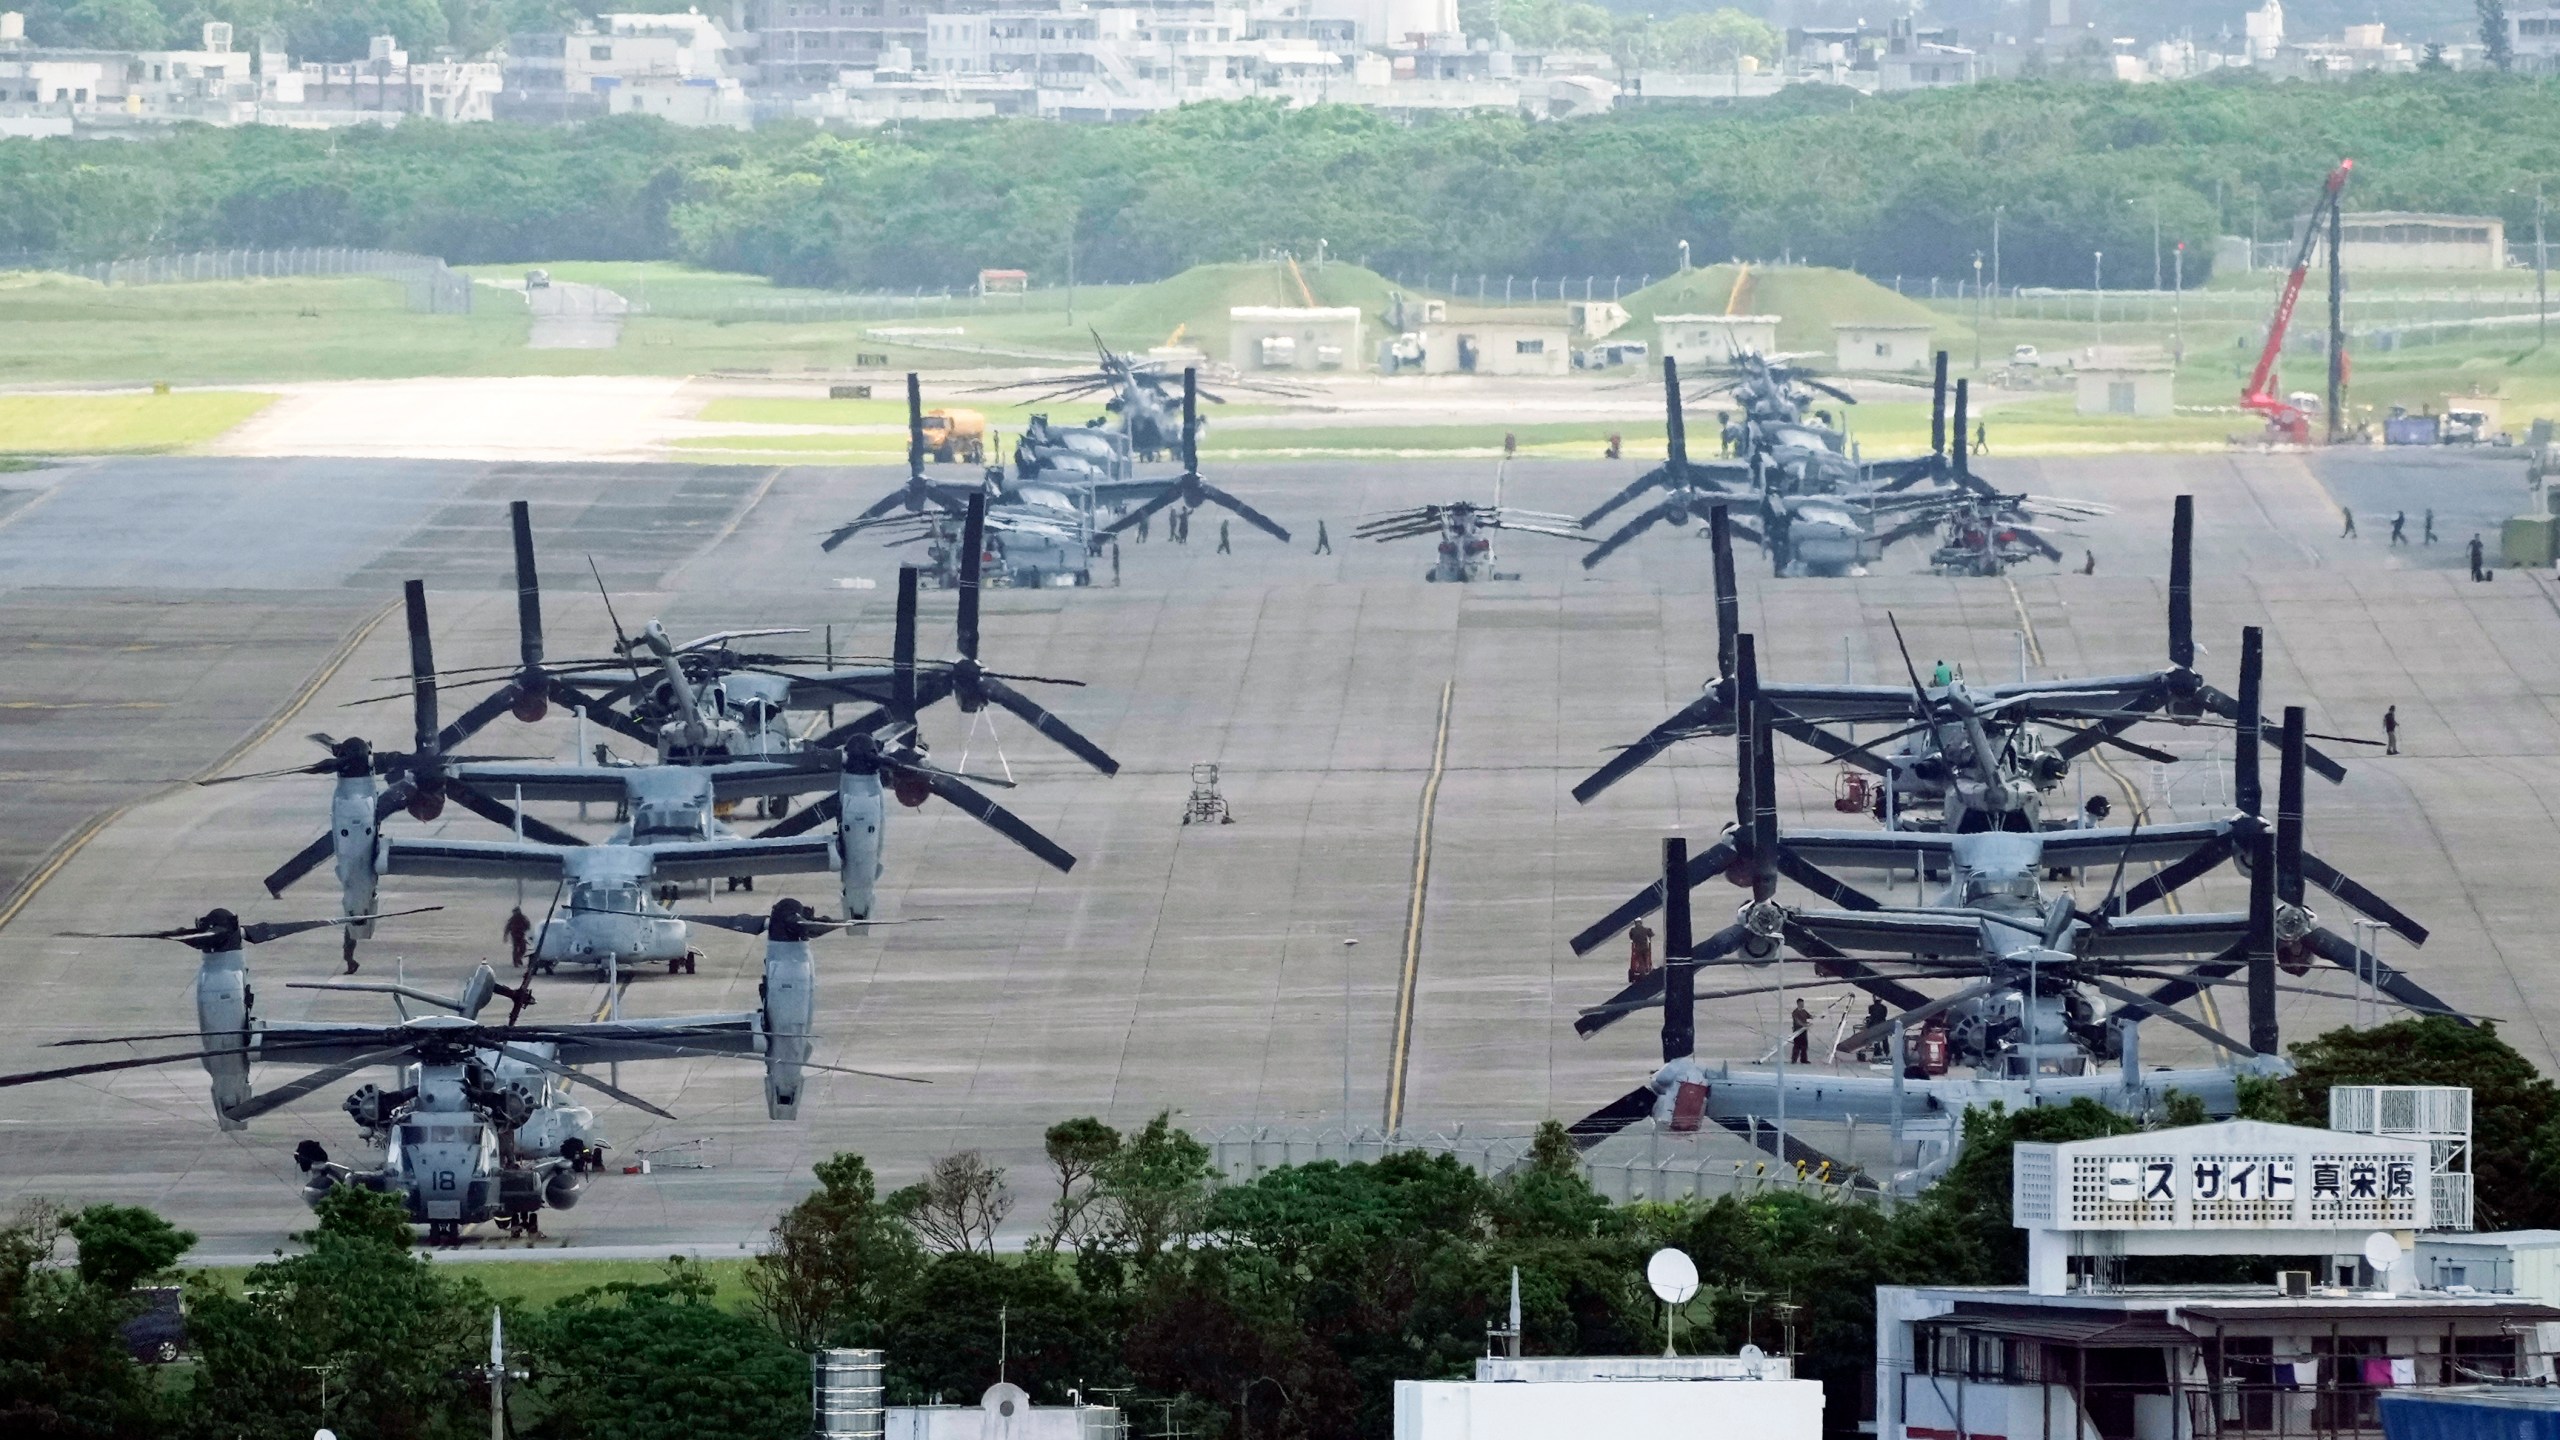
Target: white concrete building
(1613, 1397)
(2077, 1351)
(1489, 347)
(1714, 339)
(575, 76)
(2146, 388)
(2533, 34)
(2409, 240)
(1290, 337)
(1880, 345)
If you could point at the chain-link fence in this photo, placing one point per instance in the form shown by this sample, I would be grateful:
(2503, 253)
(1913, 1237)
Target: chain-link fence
(1644, 1163)
(434, 288)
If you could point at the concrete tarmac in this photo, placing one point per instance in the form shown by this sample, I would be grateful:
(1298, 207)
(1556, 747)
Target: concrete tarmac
(1197, 970)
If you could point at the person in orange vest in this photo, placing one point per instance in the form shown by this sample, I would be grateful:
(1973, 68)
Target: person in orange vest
(1639, 951)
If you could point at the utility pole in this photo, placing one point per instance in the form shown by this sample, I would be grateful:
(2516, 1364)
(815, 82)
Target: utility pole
(2541, 274)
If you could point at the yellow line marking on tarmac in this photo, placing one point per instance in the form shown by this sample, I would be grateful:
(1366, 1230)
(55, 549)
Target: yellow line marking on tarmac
(62, 855)
(1413, 916)
(2132, 795)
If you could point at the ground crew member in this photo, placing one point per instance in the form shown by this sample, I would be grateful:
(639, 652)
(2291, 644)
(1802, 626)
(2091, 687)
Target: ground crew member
(1324, 542)
(1142, 529)
(1801, 1021)
(1877, 1015)
(1981, 437)
(1942, 675)
(2090, 565)
(2400, 527)
(2429, 525)
(1724, 432)
(1615, 447)
(2391, 730)
(1510, 444)
(518, 930)
(1224, 548)
(1639, 951)
(2479, 561)
(2350, 532)
(1115, 562)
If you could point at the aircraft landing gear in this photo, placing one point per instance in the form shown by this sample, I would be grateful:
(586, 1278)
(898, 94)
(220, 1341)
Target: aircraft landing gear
(444, 1232)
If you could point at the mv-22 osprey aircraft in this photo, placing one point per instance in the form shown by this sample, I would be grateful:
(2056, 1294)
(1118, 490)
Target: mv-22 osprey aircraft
(1970, 757)
(479, 1124)
(2020, 1020)
(614, 915)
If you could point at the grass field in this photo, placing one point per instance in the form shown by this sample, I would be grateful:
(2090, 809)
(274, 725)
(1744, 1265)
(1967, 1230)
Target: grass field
(95, 424)
(541, 1282)
(63, 329)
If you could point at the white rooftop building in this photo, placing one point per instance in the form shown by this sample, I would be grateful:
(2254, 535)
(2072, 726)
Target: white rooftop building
(1614, 1397)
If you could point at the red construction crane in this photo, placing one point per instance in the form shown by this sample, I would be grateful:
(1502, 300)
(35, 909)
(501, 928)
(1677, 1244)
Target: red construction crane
(2285, 421)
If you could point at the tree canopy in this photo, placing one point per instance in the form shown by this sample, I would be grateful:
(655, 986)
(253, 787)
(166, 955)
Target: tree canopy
(1902, 184)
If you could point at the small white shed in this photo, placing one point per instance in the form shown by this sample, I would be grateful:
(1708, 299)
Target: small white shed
(1290, 337)
(1880, 345)
(2126, 388)
(1715, 339)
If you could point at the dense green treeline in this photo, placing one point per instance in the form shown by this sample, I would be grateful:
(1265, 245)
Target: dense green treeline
(1903, 185)
(1144, 1277)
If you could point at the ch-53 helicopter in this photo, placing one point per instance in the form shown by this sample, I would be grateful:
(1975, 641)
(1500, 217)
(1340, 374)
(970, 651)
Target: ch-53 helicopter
(1142, 422)
(1465, 530)
(479, 1125)
(1817, 507)
(1816, 510)
(2020, 1018)
(1093, 505)
(1972, 757)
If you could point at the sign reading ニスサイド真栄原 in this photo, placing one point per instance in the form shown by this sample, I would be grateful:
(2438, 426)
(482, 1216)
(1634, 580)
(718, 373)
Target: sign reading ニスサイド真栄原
(2238, 1175)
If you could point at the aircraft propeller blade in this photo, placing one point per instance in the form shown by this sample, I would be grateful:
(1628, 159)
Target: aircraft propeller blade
(302, 1085)
(576, 1077)
(1591, 558)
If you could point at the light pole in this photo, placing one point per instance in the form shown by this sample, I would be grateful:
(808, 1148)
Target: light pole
(1996, 212)
(1347, 947)
(2541, 274)
(1977, 310)
(2098, 296)
(2178, 311)
(2155, 239)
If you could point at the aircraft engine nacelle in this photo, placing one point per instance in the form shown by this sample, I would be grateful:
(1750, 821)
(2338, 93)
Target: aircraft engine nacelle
(222, 1011)
(862, 811)
(790, 1005)
(353, 841)
(478, 988)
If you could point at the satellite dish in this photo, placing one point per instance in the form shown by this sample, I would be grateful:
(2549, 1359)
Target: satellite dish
(1753, 1355)
(1674, 1276)
(2381, 1251)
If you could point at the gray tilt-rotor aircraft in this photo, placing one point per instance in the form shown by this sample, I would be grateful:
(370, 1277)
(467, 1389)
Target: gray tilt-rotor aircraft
(479, 1124)
(1973, 757)
(2021, 1020)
